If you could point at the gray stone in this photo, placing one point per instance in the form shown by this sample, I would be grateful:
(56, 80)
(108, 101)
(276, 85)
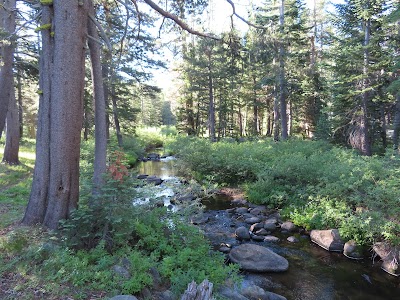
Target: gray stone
(252, 220)
(224, 249)
(288, 226)
(166, 295)
(186, 198)
(230, 294)
(256, 258)
(327, 239)
(242, 233)
(154, 180)
(200, 219)
(231, 210)
(142, 176)
(390, 256)
(256, 293)
(352, 250)
(256, 226)
(262, 231)
(271, 238)
(270, 219)
(239, 201)
(124, 297)
(258, 238)
(259, 210)
(292, 239)
(270, 226)
(121, 271)
(242, 210)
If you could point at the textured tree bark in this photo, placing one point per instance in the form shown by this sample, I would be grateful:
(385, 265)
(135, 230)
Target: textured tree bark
(100, 153)
(396, 123)
(7, 23)
(211, 105)
(20, 106)
(282, 85)
(55, 186)
(12, 136)
(365, 142)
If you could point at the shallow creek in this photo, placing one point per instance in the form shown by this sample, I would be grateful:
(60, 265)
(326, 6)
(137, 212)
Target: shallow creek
(314, 273)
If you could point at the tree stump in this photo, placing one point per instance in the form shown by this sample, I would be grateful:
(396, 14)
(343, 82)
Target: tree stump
(203, 291)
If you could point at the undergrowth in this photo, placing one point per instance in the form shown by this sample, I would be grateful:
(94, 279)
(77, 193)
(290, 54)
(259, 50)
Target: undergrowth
(315, 184)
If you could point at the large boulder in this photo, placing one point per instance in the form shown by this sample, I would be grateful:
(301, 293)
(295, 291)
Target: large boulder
(242, 233)
(390, 256)
(353, 251)
(288, 226)
(327, 239)
(256, 258)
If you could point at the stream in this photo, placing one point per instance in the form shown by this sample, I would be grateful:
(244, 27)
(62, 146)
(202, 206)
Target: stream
(314, 273)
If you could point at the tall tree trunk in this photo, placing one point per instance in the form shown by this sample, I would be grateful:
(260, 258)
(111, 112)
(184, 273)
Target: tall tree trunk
(276, 105)
(396, 123)
(115, 113)
(211, 107)
(20, 106)
(55, 186)
(106, 88)
(365, 142)
(100, 153)
(12, 136)
(282, 82)
(7, 23)
(255, 109)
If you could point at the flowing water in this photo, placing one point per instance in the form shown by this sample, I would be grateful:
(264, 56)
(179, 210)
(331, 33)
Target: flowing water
(314, 273)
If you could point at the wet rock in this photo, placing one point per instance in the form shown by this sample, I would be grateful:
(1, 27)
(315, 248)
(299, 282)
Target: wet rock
(239, 201)
(259, 210)
(142, 176)
(252, 220)
(242, 233)
(352, 250)
(260, 280)
(327, 239)
(270, 226)
(390, 257)
(200, 219)
(292, 239)
(288, 226)
(258, 238)
(124, 297)
(153, 156)
(242, 210)
(186, 198)
(256, 226)
(247, 216)
(263, 232)
(256, 293)
(231, 210)
(271, 238)
(121, 271)
(255, 258)
(230, 294)
(154, 180)
(224, 249)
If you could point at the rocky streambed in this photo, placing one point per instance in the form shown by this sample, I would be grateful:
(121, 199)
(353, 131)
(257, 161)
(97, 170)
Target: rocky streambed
(277, 259)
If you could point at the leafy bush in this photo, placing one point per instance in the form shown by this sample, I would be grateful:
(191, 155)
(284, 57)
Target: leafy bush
(319, 184)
